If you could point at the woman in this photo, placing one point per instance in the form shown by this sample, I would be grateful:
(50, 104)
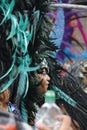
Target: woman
(43, 76)
(39, 81)
(6, 105)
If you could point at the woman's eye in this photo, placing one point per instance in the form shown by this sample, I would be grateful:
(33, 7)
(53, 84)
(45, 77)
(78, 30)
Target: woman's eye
(42, 71)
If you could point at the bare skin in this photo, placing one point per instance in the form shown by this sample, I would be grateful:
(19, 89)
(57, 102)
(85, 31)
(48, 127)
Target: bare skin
(4, 99)
(66, 123)
(44, 77)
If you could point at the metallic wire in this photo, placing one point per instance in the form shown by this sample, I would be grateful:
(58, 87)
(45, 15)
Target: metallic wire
(73, 6)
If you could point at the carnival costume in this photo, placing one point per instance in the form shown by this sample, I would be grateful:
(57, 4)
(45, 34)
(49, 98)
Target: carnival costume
(27, 36)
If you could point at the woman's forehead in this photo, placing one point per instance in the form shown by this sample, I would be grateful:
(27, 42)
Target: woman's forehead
(41, 70)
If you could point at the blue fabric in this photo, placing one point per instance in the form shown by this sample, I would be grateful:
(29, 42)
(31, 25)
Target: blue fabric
(58, 29)
(12, 108)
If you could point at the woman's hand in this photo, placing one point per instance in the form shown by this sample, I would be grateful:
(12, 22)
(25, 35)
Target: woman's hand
(66, 123)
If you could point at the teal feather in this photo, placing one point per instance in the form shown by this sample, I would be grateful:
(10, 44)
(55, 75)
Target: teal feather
(14, 24)
(10, 69)
(23, 24)
(22, 70)
(64, 96)
(69, 100)
(24, 112)
(30, 69)
(7, 10)
(22, 87)
(3, 1)
(23, 35)
(8, 83)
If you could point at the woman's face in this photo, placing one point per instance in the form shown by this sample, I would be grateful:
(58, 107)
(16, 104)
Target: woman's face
(44, 78)
(4, 97)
